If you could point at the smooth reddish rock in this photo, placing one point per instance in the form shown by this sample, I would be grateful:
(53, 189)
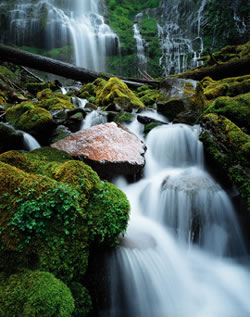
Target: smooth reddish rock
(110, 150)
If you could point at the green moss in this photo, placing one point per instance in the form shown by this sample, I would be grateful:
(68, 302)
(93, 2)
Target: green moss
(111, 201)
(149, 126)
(236, 109)
(150, 96)
(83, 303)
(124, 117)
(121, 15)
(35, 294)
(29, 118)
(226, 87)
(117, 92)
(228, 148)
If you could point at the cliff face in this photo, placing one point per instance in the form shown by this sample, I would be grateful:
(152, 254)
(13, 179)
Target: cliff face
(169, 36)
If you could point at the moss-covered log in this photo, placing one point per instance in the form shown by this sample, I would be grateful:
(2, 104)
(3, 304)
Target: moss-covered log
(235, 68)
(50, 65)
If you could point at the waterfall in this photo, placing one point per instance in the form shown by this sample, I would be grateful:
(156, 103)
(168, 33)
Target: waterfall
(93, 118)
(179, 32)
(30, 142)
(176, 258)
(53, 24)
(140, 53)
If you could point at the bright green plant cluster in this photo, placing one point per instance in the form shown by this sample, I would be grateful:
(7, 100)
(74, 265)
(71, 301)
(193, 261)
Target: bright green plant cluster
(34, 216)
(113, 201)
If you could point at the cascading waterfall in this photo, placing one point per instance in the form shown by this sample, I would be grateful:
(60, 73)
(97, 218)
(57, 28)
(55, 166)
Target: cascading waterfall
(30, 142)
(54, 24)
(140, 52)
(178, 22)
(175, 257)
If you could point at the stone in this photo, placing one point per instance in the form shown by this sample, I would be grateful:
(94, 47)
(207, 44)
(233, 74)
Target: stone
(107, 148)
(10, 138)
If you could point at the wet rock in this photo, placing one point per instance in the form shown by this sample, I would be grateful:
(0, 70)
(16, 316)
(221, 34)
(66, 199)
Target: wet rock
(10, 139)
(107, 148)
(146, 120)
(188, 117)
(61, 132)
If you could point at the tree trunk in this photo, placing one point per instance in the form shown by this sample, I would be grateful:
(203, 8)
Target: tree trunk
(49, 65)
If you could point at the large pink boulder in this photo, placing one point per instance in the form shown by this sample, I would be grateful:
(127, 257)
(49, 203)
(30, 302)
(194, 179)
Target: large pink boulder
(109, 149)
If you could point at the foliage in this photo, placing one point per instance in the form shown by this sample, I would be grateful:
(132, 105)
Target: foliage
(30, 294)
(107, 213)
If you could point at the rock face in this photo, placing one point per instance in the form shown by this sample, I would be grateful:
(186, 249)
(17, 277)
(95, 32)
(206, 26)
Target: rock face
(108, 149)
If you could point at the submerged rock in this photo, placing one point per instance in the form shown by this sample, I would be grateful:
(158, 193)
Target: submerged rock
(110, 150)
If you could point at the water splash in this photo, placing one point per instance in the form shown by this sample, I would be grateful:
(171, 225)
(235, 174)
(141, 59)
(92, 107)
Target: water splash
(172, 260)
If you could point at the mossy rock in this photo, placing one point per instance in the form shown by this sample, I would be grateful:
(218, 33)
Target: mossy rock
(227, 148)
(150, 96)
(42, 218)
(32, 119)
(34, 88)
(83, 303)
(34, 293)
(109, 199)
(231, 87)
(117, 92)
(150, 126)
(53, 101)
(237, 109)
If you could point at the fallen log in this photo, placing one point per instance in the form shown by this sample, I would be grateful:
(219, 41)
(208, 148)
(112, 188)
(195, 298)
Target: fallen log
(218, 71)
(50, 65)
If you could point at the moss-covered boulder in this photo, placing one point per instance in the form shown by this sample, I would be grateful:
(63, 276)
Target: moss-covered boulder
(34, 88)
(53, 209)
(181, 96)
(117, 92)
(150, 96)
(115, 203)
(32, 119)
(226, 87)
(34, 293)
(227, 149)
(237, 109)
(54, 101)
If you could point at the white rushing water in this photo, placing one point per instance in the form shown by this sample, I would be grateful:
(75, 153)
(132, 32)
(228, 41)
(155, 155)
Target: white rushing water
(140, 52)
(175, 259)
(30, 142)
(179, 32)
(60, 23)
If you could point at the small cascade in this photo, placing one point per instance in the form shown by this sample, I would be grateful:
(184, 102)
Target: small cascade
(79, 102)
(179, 32)
(175, 257)
(140, 53)
(93, 118)
(58, 24)
(30, 142)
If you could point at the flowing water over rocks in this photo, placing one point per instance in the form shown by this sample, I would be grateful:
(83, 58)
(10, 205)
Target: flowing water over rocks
(177, 256)
(57, 24)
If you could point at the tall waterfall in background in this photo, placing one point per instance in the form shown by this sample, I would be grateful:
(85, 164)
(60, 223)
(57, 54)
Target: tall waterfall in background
(58, 23)
(175, 259)
(179, 31)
